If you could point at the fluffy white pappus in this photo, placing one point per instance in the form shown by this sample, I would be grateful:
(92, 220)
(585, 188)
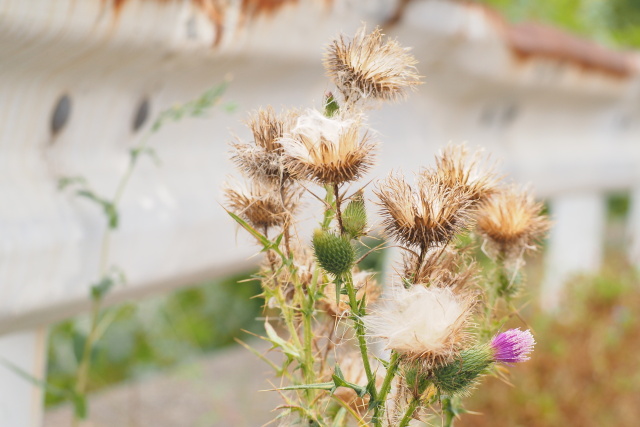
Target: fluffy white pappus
(421, 321)
(316, 128)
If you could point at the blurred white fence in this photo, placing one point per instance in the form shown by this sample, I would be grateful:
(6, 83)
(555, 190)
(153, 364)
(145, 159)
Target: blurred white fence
(74, 75)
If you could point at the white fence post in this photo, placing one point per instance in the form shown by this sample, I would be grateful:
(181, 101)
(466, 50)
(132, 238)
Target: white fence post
(21, 402)
(633, 228)
(575, 241)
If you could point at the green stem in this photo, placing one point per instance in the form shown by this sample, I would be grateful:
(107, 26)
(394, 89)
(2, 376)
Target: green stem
(329, 211)
(82, 377)
(307, 317)
(408, 415)
(504, 283)
(447, 409)
(392, 369)
(358, 325)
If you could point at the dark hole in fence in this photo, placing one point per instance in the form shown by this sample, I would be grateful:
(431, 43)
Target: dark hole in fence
(141, 115)
(61, 114)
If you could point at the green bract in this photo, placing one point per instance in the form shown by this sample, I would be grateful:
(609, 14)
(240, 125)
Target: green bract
(459, 376)
(354, 217)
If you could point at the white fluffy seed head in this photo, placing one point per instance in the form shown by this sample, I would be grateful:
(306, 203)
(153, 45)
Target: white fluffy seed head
(327, 150)
(422, 322)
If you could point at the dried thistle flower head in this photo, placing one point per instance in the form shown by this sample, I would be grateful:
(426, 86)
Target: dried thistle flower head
(327, 150)
(443, 267)
(457, 168)
(427, 216)
(512, 221)
(423, 323)
(261, 205)
(363, 282)
(369, 67)
(263, 160)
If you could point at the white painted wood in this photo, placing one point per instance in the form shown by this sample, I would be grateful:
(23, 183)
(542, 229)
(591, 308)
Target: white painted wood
(633, 227)
(575, 242)
(557, 126)
(20, 400)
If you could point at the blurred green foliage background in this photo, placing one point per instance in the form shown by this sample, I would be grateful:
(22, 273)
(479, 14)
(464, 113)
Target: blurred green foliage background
(613, 23)
(156, 333)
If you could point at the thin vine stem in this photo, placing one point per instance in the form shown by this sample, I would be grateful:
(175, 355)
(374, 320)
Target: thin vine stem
(98, 326)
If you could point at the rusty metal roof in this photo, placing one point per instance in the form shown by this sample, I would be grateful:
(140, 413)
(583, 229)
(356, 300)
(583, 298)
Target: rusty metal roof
(530, 40)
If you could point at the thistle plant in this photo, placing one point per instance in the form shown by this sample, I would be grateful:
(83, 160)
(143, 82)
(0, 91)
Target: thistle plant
(441, 316)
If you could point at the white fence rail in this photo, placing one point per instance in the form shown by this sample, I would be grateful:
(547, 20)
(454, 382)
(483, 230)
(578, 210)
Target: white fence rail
(561, 113)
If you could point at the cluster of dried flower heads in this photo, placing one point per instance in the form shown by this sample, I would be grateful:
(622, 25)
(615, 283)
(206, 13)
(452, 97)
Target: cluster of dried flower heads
(441, 315)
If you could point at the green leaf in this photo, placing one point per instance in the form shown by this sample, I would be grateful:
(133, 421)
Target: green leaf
(278, 239)
(80, 407)
(112, 215)
(149, 151)
(33, 380)
(338, 372)
(78, 340)
(67, 181)
(99, 290)
(339, 289)
(265, 242)
(340, 418)
(274, 339)
(195, 108)
(114, 276)
(109, 208)
(317, 386)
(230, 107)
(331, 106)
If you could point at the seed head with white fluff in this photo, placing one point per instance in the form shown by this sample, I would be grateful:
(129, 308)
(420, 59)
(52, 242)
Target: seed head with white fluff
(327, 150)
(422, 323)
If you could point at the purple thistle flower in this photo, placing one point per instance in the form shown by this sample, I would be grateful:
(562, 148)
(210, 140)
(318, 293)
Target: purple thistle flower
(512, 346)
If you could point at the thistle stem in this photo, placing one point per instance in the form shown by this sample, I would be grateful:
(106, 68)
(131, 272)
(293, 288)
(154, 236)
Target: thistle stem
(358, 325)
(504, 283)
(307, 317)
(420, 260)
(408, 415)
(336, 193)
(330, 210)
(392, 369)
(285, 227)
(447, 409)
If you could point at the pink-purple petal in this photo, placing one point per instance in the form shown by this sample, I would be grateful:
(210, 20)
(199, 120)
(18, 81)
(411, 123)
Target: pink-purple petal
(512, 346)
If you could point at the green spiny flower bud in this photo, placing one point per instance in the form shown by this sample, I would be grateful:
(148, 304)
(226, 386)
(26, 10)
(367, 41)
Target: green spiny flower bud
(459, 376)
(354, 217)
(334, 253)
